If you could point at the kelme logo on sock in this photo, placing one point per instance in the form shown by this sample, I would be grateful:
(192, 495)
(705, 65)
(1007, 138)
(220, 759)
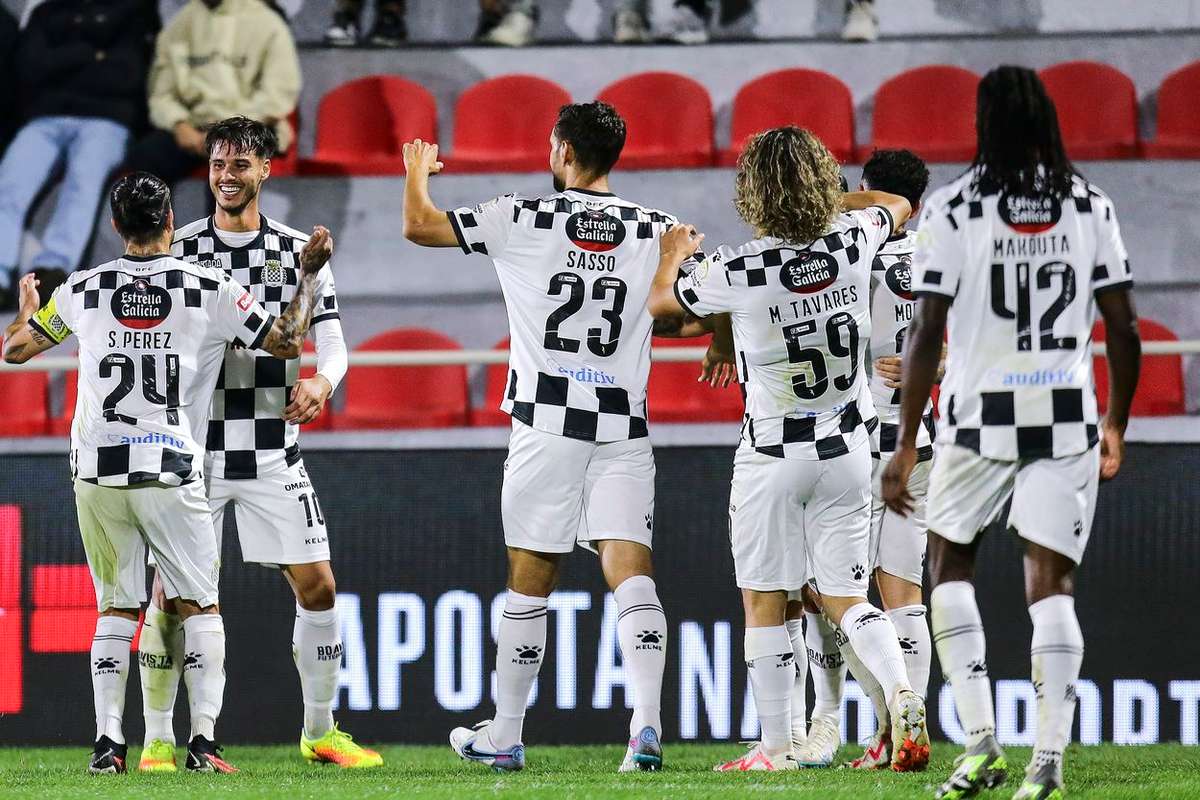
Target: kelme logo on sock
(528, 654)
(648, 640)
(192, 661)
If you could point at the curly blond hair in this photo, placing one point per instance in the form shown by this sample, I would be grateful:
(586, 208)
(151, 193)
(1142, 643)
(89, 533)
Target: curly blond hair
(788, 185)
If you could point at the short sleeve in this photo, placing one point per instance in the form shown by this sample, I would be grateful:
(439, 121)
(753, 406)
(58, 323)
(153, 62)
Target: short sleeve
(705, 288)
(53, 319)
(485, 228)
(876, 223)
(238, 316)
(938, 256)
(1111, 270)
(325, 305)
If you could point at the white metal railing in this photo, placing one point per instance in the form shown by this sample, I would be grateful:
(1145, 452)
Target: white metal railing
(418, 358)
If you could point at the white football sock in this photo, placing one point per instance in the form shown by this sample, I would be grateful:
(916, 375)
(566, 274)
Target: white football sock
(642, 633)
(204, 671)
(826, 665)
(873, 638)
(795, 629)
(520, 643)
(110, 670)
(958, 635)
(1056, 653)
(770, 664)
(160, 664)
(912, 626)
(317, 649)
(867, 682)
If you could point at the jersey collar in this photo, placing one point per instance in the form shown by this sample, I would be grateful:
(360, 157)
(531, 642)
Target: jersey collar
(590, 192)
(144, 259)
(219, 243)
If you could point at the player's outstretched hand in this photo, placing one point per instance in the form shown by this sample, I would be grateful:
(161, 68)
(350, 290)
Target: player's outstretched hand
(1112, 449)
(421, 157)
(680, 242)
(317, 250)
(889, 368)
(29, 301)
(718, 368)
(308, 399)
(895, 480)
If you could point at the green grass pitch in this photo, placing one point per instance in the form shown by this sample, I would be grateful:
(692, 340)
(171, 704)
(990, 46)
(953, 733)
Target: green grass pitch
(1109, 772)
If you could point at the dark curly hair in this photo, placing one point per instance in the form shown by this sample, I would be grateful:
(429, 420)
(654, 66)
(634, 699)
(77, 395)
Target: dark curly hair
(243, 135)
(140, 205)
(899, 172)
(595, 131)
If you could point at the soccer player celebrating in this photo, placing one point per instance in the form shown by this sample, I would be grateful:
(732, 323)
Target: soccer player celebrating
(575, 269)
(254, 460)
(152, 334)
(1017, 254)
(897, 543)
(800, 502)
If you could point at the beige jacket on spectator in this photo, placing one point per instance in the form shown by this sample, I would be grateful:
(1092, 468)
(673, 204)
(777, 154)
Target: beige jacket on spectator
(210, 64)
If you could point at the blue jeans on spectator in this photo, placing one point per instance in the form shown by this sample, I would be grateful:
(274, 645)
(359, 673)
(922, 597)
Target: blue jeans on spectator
(89, 150)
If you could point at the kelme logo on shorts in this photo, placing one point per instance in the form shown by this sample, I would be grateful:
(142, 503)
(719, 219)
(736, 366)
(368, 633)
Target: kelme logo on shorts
(809, 272)
(595, 231)
(899, 278)
(1029, 214)
(141, 305)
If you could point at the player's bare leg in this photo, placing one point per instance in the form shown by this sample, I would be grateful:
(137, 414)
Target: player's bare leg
(110, 670)
(520, 645)
(317, 650)
(642, 633)
(160, 666)
(1056, 654)
(794, 621)
(958, 635)
(769, 663)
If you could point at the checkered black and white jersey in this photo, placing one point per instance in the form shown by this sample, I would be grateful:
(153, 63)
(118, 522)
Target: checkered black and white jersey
(892, 304)
(575, 269)
(247, 435)
(1023, 274)
(801, 321)
(152, 333)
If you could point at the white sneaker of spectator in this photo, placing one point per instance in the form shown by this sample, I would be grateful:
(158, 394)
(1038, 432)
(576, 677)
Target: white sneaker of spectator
(630, 27)
(515, 29)
(343, 31)
(861, 23)
(687, 27)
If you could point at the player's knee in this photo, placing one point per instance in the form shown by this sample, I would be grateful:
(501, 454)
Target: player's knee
(318, 594)
(949, 561)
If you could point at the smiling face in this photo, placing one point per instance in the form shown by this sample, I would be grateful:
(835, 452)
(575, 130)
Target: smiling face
(235, 177)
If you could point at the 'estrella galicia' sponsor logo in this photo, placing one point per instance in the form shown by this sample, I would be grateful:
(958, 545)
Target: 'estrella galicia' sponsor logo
(899, 278)
(329, 652)
(809, 272)
(141, 305)
(148, 438)
(588, 375)
(1030, 214)
(595, 231)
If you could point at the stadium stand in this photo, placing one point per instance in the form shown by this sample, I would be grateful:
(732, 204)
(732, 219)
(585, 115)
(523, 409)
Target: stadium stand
(1178, 116)
(674, 394)
(929, 110)
(405, 397)
(362, 124)
(23, 402)
(501, 124)
(1097, 109)
(662, 134)
(495, 381)
(1160, 391)
(808, 98)
(60, 423)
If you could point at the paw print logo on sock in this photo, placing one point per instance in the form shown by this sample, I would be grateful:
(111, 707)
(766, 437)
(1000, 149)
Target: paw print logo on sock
(192, 661)
(908, 646)
(105, 664)
(786, 661)
(858, 570)
(978, 669)
(528, 654)
(649, 640)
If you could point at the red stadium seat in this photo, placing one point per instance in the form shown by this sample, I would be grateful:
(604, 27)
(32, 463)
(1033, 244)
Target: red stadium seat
(489, 414)
(23, 401)
(669, 119)
(806, 98)
(1097, 109)
(1178, 115)
(674, 395)
(405, 397)
(929, 110)
(325, 420)
(60, 425)
(503, 125)
(1160, 390)
(362, 126)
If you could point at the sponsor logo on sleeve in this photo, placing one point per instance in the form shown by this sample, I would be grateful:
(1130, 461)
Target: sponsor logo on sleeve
(245, 301)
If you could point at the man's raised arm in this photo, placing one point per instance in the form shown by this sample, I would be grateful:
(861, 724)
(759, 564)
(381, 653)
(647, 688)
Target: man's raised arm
(424, 223)
(23, 341)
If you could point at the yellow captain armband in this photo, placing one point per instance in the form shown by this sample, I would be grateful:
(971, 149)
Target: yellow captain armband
(47, 322)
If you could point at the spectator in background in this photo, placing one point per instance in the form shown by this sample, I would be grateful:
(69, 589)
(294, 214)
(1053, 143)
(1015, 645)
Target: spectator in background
(216, 59)
(8, 66)
(861, 23)
(389, 29)
(81, 67)
(511, 22)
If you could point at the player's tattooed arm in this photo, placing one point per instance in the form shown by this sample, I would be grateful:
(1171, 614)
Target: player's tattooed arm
(424, 223)
(21, 340)
(286, 337)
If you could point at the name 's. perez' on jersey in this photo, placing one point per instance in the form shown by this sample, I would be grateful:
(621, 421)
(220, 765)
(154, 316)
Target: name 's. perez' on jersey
(140, 340)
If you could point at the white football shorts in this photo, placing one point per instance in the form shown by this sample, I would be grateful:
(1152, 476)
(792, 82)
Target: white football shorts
(279, 519)
(898, 543)
(559, 491)
(792, 519)
(118, 525)
(1053, 499)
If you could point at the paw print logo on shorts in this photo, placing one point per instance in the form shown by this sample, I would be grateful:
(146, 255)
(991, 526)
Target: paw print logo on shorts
(528, 653)
(858, 570)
